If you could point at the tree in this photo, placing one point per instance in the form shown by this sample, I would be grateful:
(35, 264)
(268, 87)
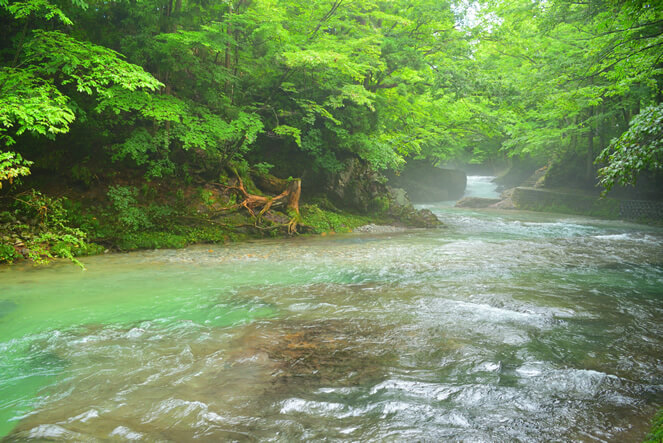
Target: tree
(47, 69)
(567, 76)
(636, 150)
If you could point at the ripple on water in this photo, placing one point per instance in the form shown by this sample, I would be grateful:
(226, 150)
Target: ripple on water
(498, 328)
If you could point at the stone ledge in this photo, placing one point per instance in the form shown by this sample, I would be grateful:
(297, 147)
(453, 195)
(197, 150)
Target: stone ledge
(577, 202)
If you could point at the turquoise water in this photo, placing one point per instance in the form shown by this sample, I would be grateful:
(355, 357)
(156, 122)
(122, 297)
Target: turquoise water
(502, 326)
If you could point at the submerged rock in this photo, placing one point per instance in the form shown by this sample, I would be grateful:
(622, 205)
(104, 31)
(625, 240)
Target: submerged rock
(7, 306)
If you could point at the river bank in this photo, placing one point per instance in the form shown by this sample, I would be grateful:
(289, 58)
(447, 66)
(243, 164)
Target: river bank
(73, 222)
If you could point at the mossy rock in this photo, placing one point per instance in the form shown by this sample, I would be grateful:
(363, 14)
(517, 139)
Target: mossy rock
(328, 221)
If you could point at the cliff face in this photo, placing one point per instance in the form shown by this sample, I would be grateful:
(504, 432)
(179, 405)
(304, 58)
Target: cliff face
(426, 183)
(360, 189)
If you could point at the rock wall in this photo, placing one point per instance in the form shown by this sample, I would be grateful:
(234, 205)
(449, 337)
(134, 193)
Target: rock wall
(641, 210)
(356, 187)
(360, 189)
(548, 200)
(427, 183)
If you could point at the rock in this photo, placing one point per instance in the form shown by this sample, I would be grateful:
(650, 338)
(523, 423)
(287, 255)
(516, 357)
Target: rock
(355, 187)
(361, 189)
(423, 218)
(507, 203)
(399, 196)
(519, 171)
(507, 193)
(427, 183)
(477, 202)
(378, 229)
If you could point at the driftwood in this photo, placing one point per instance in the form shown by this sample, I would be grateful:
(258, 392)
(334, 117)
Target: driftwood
(258, 205)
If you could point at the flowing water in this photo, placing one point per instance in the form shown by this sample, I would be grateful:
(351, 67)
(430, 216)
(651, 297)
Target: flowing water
(502, 326)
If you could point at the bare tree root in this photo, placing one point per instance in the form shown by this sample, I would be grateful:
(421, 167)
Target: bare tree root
(258, 205)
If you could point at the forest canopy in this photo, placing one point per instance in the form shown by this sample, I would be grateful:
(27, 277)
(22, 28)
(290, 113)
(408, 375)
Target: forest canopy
(173, 86)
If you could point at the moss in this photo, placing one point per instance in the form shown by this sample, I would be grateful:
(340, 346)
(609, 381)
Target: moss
(328, 221)
(380, 204)
(323, 202)
(178, 236)
(656, 433)
(212, 234)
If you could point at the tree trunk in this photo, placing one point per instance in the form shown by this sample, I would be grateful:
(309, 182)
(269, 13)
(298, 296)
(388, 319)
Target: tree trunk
(294, 191)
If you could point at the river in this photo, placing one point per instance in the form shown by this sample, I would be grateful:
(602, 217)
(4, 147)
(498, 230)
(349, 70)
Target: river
(502, 326)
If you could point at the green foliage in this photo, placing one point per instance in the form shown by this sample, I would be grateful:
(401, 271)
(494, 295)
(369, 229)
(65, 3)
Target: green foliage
(90, 68)
(12, 166)
(263, 168)
(562, 77)
(8, 253)
(285, 130)
(638, 149)
(36, 80)
(35, 8)
(31, 103)
(207, 197)
(191, 89)
(176, 124)
(656, 433)
(39, 228)
(130, 216)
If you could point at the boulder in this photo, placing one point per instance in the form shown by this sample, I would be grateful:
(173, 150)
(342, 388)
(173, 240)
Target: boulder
(477, 202)
(507, 203)
(363, 190)
(355, 187)
(427, 183)
(519, 171)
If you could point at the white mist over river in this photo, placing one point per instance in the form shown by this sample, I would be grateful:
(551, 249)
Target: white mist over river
(502, 326)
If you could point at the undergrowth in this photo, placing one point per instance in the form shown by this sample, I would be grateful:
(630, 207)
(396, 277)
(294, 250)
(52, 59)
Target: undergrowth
(38, 227)
(656, 433)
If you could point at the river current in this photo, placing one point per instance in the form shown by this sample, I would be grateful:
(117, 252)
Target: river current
(501, 326)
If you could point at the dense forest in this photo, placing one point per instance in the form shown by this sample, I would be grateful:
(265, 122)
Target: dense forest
(134, 108)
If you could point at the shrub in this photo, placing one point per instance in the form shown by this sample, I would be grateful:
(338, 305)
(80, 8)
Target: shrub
(130, 215)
